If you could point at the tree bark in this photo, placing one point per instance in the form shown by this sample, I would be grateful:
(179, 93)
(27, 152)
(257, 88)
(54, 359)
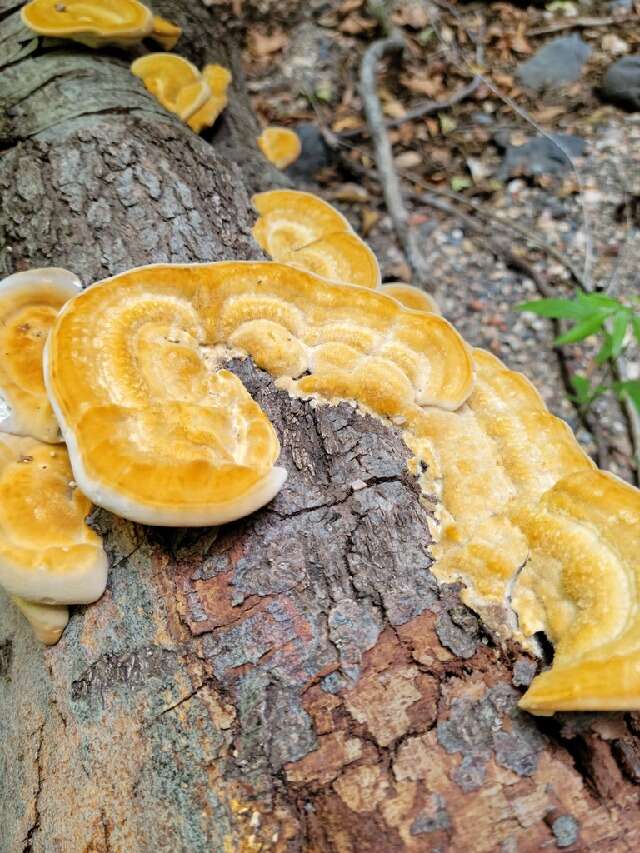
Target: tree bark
(296, 681)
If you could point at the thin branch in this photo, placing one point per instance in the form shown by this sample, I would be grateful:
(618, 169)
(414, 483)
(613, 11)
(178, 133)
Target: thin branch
(426, 109)
(575, 24)
(384, 155)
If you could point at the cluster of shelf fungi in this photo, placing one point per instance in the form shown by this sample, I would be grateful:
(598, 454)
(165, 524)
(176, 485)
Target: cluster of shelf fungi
(130, 375)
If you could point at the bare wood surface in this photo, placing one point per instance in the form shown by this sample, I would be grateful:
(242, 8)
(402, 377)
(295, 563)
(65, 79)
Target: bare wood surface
(297, 681)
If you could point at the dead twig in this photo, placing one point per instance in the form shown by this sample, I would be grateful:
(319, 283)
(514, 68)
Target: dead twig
(575, 24)
(387, 175)
(421, 110)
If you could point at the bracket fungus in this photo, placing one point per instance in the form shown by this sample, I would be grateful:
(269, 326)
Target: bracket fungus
(280, 146)
(299, 229)
(156, 435)
(174, 81)
(218, 78)
(48, 554)
(96, 23)
(411, 297)
(47, 621)
(29, 303)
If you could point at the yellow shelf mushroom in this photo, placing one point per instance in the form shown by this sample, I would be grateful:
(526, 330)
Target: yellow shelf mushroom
(47, 621)
(411, 297)
(580, 586)
(156, 435)
(93, 23)
(339, 257)
(174, 81)
(96, 23)
(289, 220)
(218, 79)
(280, 146)
(48, 554)
(29, 303)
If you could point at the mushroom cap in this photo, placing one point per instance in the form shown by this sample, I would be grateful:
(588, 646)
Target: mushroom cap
(48, 621)
(47, 552)
(29, 303)
(280, 146)
(290, 219)
(218, 79)
(164, 32)
(90, 22)
(174, 81)
(580, 586)
(342, 256)
(157, 436)
(411, 297)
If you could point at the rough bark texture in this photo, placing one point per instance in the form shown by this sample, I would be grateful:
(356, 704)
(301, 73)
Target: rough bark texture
(298, 680)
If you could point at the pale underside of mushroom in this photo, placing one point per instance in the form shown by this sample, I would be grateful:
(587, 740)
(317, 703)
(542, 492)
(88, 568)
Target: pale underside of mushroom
(29, 303)
(47, 621)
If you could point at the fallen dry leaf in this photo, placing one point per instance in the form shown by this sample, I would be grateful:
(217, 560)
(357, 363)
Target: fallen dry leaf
(261, 44)
(347, 123)
(369, 219)
(349, 192)
(421, 84)
(355, 24)
(408, 160)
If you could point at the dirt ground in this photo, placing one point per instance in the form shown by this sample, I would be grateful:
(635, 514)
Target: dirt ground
(302, 63)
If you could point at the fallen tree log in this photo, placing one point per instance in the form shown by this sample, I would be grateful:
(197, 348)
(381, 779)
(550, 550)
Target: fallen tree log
(294, 681)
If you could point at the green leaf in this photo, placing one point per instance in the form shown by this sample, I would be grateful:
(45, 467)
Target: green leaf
(606, 349)
(635, 323)
(582, 330)
(585, 392)
(598, 300)
(460, 182)
(618, 331)
(554, 308)
(630, 389)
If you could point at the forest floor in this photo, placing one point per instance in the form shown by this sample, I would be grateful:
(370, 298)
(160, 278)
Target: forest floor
(302, 62)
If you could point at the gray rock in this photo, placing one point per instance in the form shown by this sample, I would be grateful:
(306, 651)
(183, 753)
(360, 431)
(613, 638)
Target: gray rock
(315, 154)
(559, 61)
(540, 156)
(621, 83)
(566, 830)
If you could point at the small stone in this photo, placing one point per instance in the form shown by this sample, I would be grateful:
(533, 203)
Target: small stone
(541, 156)
(559, 61)
(524, 671)
(314, 156)
(621, 83)
(565, 828)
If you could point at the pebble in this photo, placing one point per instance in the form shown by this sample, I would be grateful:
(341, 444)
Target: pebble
(621, 83)
(559, 61)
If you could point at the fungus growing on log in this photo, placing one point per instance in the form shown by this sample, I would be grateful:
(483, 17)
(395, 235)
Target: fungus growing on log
(164, 32)
(218, 79)
(174, 81)
(290, 219)
(580, 586)
(342, 256)
(411, 297)
(29, 303)
(93, 23)
(280, 146)
(156, 435)
(48, 621)
(48, 554)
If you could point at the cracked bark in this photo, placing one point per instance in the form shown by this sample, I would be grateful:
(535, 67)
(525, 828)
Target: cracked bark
(295, 681)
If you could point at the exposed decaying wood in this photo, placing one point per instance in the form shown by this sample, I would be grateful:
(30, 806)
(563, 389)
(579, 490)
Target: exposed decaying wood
(295, 681)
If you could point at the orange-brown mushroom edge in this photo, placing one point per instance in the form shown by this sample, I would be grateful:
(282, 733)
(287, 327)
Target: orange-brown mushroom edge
(289, 220)
(164, 32)
(93, 23)
(48, 554)
(218, 78)
(280, 146)
(411, 297)
(29, 303)
(174, 81)
(157, 436)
